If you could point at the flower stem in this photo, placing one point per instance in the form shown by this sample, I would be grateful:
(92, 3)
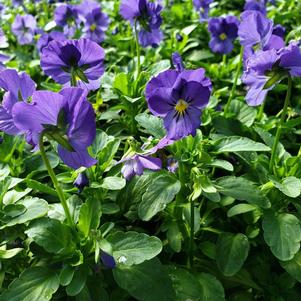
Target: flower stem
(137, 49)
(191, 242)
(238, 69)
(279, 129)
(54, 181)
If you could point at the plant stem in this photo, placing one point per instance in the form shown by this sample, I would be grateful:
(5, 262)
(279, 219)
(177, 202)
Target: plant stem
(54, 181)
(137, 49)
(238, 69)
(279, 129)
(191, 242)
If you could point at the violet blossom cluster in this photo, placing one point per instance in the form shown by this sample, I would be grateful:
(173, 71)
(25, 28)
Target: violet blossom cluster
(267, 60)
(145, 17)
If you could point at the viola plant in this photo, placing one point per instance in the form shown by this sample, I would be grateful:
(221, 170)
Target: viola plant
(150, 150)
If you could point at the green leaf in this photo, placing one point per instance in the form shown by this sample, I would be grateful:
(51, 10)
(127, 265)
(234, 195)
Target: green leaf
(244, 113)
(156, 68)
(211, 288)
(34, 284)
(106, 155)
(121, 83)
(221, 164)
(152, 124)
(293, 266)
(54, 236)
(113, 183)
(174, 236)
(242, 190)
(89, 216)
(240, 208)
(290, 186)
(35, 208)
(40, 187)
(7, 254)
(231, 252)
(66, 275)
(147, 281)
(78, 281)
(134, 248)
(238, 144)
(186, 285)
(159, 193)
(282, 233)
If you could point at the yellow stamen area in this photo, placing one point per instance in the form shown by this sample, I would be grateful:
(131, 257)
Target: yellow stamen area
(77, 78)
(181, 106)
(223, 36)
(93, 27)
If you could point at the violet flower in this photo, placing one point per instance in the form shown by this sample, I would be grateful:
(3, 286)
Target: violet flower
(24, 28)
(135, 165)
(107, 260)
(202, 7)
(267, 68)
(96, 24)
(172, 165)
(258, 5)
(81, 181)
(66, 16)
(17, 87)
(147, 16)
(74, 62)
(223, 33)
(46, 38)
(66, 117)
(178, 96)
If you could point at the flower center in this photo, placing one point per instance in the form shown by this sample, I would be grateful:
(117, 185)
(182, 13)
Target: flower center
(93, 27)
(181, 106)
(223, 36)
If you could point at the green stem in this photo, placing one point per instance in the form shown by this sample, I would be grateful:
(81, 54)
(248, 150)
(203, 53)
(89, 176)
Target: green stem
(73, 78)
(191, 242)
(137, 49)
(279, 129)
(238, 69)
(54, 181)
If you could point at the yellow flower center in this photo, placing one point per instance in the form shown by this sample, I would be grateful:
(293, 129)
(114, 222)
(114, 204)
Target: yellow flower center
(223, 36)
(93, 27)
(181, 106)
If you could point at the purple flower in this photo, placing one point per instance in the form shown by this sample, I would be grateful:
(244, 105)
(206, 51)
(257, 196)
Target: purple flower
(202, 6)
(3, 59)
(258, 5)
(77, 61)
(254, 29)
(3, 40)
(24, 28)
(179, 37)
(46, 38)
(267, 68)
(178, 96)
(172, 165)
(86, 7)
(135, 165)
(279, 30)
(223, 33)
(66, 117)
(256, 33)
(148, 18)
(96, 23)
(108, 260)
(81, 181)
(17, 87)
(66, 16)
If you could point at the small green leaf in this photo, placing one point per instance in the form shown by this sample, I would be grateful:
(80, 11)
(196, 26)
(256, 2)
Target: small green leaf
(7, 254)
(78, 281)
(152, 124)
(147, 281)
(242, 190)
(113, 183)
(231, 252)
(89, 216)
(34, 284)
(211, 288)
(54, 236)
(240, 208)
(134, 248)
(35, 208)
(293, 266)
(238, 144)
(159, 193)
(282, 232)
(290, 186)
